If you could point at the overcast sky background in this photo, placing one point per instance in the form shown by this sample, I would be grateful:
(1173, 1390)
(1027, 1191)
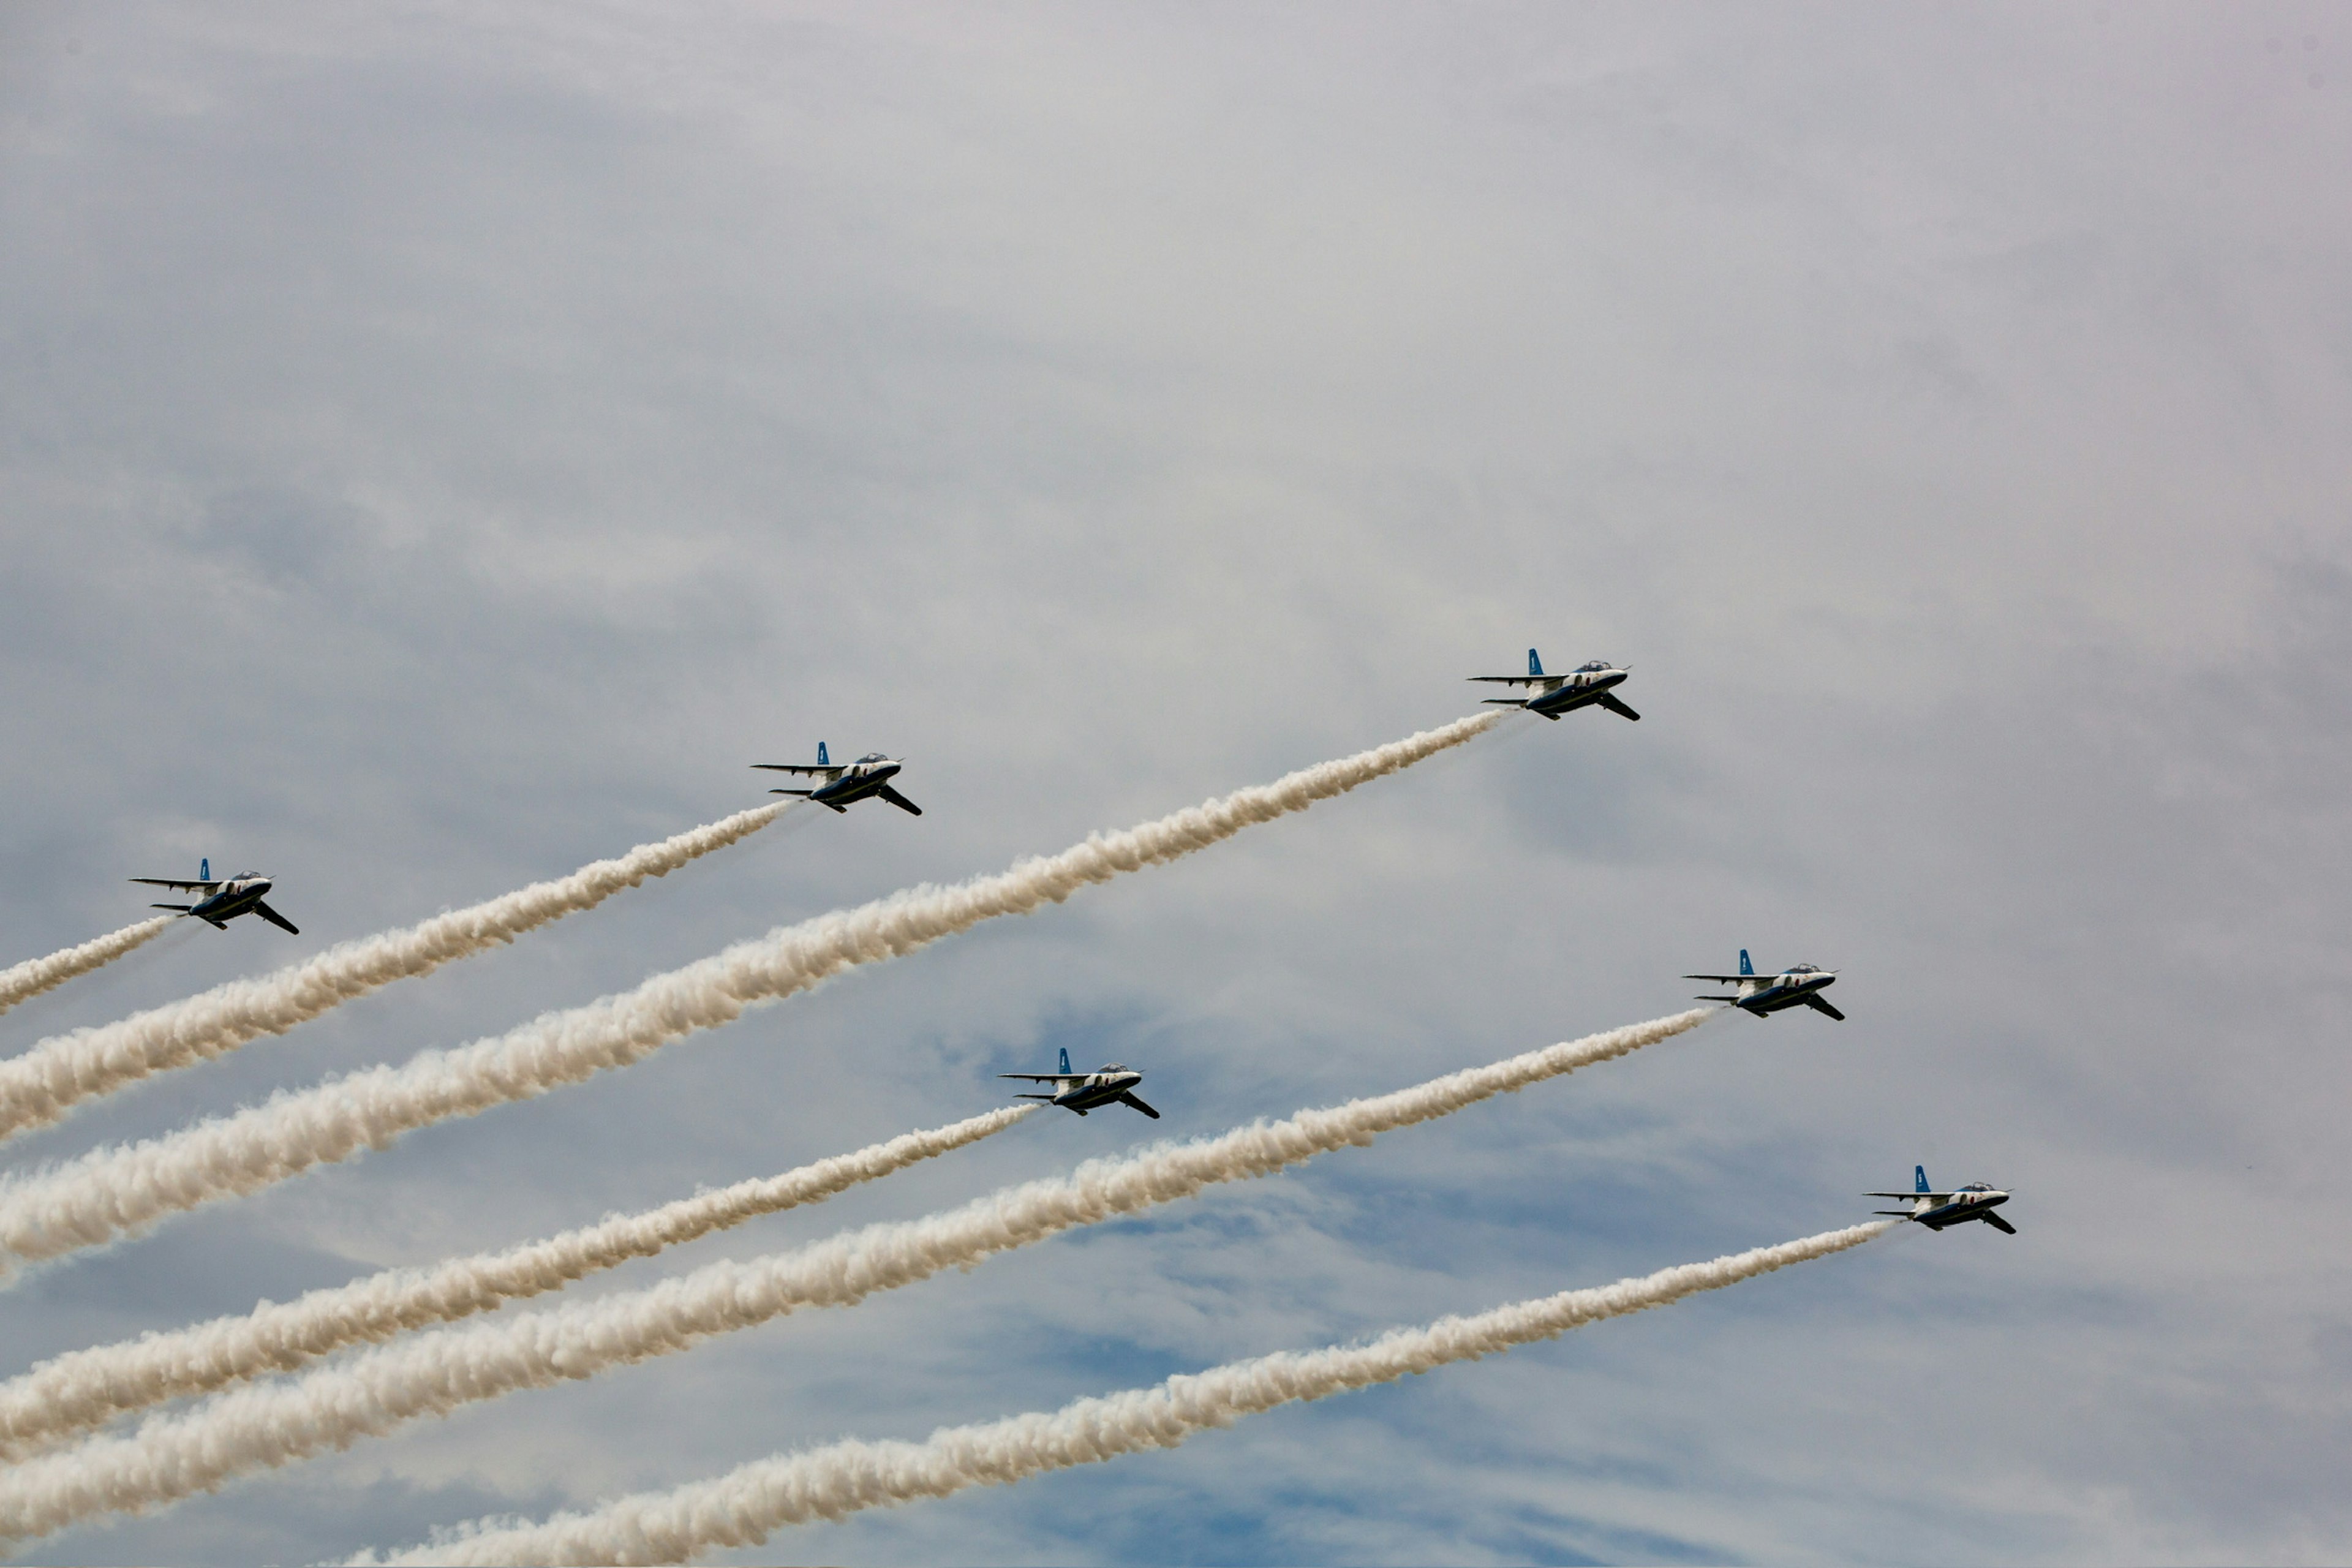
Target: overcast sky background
(440, 445)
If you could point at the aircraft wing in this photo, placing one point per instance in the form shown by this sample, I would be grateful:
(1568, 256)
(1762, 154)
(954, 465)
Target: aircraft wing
(274, 918)
(810, 768)
(2000, 1224)
(895, 798)
(1130, 1099)
(1520, 680)
(1731, 979)
(1611, 702)
(185, 887)
(1931, 1197)
(1044, 1077)
(1815, 1002)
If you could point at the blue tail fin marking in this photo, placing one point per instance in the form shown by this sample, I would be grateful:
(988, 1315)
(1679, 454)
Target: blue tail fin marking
(1744, 967)
(1066, 1072)
(822, 759)
(1919, 1174)
(205, 869)
(1534, 665)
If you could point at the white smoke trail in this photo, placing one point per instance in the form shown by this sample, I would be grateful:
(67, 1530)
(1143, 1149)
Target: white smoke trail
(742, 1507)
(256, 1428)
(45, 1083)
(35, 975)
(85, 1389)
(113, 1192)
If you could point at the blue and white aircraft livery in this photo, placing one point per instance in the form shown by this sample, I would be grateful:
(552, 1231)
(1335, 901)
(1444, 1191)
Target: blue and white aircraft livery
(1767, 993)
(1588, 686)
(869, 776)
(1084, 1091)
(1938, 1211)
(224, 900)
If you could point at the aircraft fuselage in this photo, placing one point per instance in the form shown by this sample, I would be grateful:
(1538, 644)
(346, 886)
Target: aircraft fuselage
(1099, 1090)
(1578, 690)
(1962, 1206)
(1772, 993)
(237, 898)
(862, 780)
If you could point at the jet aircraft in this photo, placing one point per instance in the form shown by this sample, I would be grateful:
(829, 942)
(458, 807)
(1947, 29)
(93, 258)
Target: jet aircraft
(1589, 685)
(1767, 993)
(1938, 1211)
(223, 900)
(868, 776)
(1084, 1091)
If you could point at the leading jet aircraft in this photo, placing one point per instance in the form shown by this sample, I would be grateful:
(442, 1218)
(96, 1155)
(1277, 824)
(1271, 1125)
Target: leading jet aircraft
(869, 776)
(1767, 993)
(223, 900)
(1589, 685)
(1939, 1211)
(1084, 1091)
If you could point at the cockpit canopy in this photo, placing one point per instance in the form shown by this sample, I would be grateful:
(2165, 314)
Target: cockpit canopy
(1804, 969)
(1112, 1067)
(1975, 1187)
(1590, 665)
(873, 757)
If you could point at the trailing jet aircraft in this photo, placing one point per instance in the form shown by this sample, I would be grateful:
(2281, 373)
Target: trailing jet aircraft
(1939, 1211)
(1767, 993)
(222, 901)
(845, 783)
(1589, 685)
(1084, 1091)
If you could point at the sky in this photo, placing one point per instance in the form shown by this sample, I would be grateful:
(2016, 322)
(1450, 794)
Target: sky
(441, 445)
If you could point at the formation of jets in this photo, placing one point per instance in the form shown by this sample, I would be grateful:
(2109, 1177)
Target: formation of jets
(1589, 685)
(222, 901)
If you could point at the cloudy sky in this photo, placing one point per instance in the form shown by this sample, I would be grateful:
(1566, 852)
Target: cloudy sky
(443, 446)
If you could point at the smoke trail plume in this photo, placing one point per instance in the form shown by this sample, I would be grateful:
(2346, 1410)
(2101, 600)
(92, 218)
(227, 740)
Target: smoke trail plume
(85, 1389)
(256, 1428)
(35, 975)
(114, 1192)
(45, 1083)
(742, 1507)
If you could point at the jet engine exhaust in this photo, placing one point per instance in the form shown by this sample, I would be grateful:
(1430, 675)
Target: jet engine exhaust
(43, 1085)
(85, 1389)
(742, 1507)
(35, 975)
(377, 1391)
(120, 1191)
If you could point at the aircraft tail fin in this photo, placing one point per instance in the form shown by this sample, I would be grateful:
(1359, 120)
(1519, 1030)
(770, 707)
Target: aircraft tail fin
(1919, 1174)
(1065, 1063)
(822, 759)
(1534, 665)
(1745, 966)
(205, 869)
